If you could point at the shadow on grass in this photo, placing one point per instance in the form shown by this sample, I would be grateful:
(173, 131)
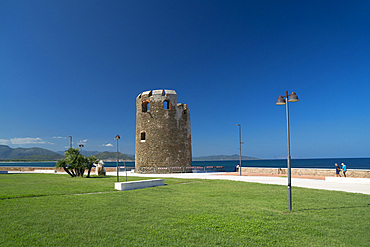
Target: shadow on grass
(99, 177)
(22, 196)
(330, 208)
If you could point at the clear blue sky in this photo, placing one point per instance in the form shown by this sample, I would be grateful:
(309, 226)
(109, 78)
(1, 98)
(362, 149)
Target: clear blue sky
(76, 67)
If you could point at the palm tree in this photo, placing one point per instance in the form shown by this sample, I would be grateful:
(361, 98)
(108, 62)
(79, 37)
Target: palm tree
(81, 164)
(75, 163)
(91, 160)
(71, 156)
(62, 164)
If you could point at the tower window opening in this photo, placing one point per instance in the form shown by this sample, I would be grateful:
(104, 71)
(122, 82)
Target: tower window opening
(143, 136)
(166, 105)
(145, 106)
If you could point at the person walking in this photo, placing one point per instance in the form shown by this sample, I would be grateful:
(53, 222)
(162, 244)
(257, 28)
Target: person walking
(344, 169)
(337, 170)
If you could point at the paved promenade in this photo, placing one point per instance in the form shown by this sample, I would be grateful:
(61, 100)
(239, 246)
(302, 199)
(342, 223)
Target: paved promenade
(352, 185)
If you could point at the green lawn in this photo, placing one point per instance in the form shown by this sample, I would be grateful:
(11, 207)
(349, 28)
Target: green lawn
(52, 210)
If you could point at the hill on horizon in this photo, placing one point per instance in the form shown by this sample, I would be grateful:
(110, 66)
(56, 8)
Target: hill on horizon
(84, 152)
(222, 157)
(112, 156)
(35, 153)
(8, 153)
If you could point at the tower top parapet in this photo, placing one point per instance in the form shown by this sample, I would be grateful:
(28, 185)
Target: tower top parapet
(158, 92)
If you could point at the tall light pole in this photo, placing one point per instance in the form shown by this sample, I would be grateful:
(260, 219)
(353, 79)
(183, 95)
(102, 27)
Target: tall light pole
(240, 149)
(70, 141)
(117, 138)
(281, 101)
(124, 163)
(81, 146)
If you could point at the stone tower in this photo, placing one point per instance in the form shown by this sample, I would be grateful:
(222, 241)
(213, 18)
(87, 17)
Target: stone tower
(163, 137)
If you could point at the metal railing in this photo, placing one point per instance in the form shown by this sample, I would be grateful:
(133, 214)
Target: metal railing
(179, 169)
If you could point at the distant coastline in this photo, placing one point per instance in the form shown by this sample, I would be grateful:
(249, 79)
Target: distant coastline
(26, 161)
(352, 163)
(8, 154)
(223, 158)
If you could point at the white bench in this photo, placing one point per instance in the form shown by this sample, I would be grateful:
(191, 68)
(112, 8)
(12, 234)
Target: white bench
(133, 185)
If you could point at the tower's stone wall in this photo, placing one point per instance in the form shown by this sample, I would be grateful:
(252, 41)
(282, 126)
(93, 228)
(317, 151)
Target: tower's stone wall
(163, 136)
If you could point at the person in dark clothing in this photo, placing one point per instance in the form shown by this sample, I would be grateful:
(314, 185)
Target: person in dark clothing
(337, 170)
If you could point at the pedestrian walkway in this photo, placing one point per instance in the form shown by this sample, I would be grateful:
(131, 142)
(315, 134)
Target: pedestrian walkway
(351, 185)
(337, 185)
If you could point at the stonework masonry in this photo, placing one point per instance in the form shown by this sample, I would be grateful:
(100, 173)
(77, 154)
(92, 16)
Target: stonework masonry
(163, 135)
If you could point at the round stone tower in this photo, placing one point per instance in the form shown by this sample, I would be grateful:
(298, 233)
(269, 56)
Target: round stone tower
(163, 136)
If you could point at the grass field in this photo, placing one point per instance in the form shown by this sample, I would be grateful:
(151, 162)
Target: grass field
(57, 210)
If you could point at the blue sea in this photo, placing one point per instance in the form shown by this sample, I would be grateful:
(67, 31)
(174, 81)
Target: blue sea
(352, 163)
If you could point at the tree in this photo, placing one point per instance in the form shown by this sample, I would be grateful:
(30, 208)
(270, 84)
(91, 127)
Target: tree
(75, 163)
(62, 164)
(91, 160)
(71, 156)
(81, 165)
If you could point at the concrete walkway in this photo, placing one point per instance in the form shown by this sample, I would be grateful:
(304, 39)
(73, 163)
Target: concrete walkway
(351, 185)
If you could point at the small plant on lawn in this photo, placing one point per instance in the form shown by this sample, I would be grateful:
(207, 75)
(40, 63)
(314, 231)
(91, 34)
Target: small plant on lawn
(75, 163)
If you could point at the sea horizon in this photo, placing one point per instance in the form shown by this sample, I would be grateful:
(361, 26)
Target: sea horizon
(229, 165)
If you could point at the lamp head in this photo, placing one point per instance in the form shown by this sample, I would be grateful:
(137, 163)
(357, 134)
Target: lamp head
(280, 100)
(293, 97)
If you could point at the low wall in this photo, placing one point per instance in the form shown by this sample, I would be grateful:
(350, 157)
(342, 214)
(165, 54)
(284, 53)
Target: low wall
(141, 184)
(27, 169)
(24, 169)
(355, 173)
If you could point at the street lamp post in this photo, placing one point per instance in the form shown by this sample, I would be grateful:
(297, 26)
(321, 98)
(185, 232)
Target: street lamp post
(117, 138)
(70, 141)
(124, 163)
(81, 146)
(281, 101)
(240, 149)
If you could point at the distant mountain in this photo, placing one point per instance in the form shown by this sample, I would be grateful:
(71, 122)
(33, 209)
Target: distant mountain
(104, 155)
(86, 153)
(113, 156)
(8, 153)
(222, 157)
